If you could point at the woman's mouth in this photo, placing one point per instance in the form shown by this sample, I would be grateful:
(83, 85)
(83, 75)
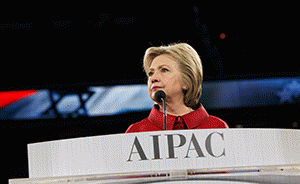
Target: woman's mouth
(155, 88)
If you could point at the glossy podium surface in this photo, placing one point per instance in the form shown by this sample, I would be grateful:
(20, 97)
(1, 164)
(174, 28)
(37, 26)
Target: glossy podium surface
(214, 154)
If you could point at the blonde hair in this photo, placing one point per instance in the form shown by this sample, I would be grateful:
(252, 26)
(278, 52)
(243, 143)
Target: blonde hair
(189, 64)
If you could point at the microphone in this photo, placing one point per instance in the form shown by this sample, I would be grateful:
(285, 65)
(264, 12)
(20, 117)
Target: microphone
(160, 97)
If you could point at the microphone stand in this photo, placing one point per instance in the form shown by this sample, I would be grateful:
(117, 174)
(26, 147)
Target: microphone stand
(165, 114)
(160, 96)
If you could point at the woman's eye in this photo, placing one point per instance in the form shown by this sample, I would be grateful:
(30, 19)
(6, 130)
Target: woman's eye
(164, 70)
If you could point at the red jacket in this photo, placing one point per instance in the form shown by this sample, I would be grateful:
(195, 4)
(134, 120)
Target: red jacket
(198, 119)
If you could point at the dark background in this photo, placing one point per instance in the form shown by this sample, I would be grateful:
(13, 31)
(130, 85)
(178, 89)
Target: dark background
(104, 45)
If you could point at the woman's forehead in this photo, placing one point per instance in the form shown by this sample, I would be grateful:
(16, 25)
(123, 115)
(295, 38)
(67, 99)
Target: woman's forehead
(161, 60)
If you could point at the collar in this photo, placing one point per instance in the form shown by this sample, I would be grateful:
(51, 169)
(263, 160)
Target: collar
(192, 119)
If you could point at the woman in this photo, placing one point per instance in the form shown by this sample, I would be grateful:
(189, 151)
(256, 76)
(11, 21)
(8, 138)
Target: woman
(176, 70)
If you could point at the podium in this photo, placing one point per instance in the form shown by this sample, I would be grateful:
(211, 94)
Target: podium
(179, 156)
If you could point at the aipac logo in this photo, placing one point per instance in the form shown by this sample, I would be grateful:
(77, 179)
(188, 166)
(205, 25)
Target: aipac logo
(193, 145)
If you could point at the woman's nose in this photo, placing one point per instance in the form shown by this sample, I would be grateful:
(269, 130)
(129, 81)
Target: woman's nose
(155, 80)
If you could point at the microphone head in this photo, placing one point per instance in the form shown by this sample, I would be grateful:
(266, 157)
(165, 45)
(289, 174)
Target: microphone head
(159, 95)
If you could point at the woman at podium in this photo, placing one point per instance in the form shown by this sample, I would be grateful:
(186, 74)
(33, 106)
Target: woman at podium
(177, 71)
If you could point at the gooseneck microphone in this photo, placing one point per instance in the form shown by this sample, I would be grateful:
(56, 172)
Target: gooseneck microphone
(160, 97)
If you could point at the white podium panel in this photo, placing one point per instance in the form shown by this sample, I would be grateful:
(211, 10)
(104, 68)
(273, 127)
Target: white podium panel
(206, 150)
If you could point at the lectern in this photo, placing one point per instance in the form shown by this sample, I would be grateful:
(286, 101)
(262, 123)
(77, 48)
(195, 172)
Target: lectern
(180, 156)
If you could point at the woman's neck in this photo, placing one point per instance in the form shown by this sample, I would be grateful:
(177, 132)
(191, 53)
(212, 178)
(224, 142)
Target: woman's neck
(175, 109)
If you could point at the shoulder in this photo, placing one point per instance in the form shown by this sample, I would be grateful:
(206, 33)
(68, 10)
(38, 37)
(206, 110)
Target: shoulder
(214, 122)
(142, 126)
(135, 127)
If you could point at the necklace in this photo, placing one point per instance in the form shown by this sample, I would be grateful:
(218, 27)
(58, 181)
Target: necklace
(191, 110)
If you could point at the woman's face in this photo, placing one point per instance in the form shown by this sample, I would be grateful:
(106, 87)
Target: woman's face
(164, 74)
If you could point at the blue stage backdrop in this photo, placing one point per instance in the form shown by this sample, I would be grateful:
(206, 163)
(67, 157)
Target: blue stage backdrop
(99, 101)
